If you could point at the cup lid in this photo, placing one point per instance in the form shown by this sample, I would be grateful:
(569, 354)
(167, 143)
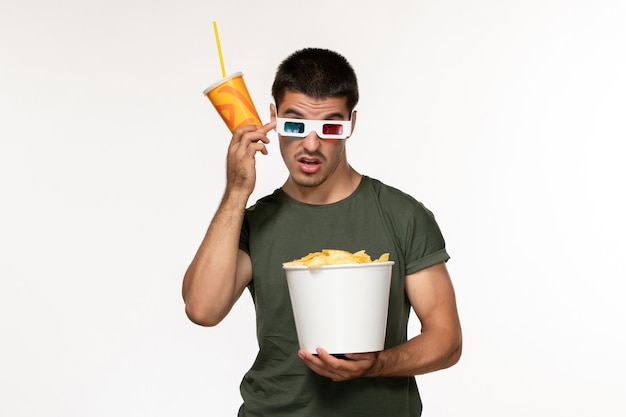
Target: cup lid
(223, 80)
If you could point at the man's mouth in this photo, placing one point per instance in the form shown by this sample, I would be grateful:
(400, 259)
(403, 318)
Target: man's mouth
(309, 165)
(309, 161)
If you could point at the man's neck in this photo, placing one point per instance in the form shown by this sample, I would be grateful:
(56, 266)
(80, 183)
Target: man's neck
(331, 191)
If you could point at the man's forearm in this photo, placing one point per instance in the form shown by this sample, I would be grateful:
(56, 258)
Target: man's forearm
(427, 352)
(209, 286)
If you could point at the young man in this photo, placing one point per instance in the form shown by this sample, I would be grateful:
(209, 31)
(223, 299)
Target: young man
(323, 204)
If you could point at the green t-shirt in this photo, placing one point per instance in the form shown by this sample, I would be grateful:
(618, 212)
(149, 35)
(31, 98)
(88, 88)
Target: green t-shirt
(277, 229)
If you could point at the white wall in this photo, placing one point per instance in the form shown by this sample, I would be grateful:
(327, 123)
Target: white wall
(506, 118)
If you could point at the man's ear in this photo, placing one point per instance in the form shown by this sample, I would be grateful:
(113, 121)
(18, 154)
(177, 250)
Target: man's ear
(273, 112)
(353, 118)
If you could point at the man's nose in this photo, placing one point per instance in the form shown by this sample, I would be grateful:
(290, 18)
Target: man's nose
(311, 142)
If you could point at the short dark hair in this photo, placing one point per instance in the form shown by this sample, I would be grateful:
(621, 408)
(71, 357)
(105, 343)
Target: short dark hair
(317, 73)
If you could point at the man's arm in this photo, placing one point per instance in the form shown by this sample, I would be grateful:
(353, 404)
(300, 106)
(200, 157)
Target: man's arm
(220, 271)
(438, 346)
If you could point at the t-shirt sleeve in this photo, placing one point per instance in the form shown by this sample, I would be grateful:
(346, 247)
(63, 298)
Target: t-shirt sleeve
(424, 243)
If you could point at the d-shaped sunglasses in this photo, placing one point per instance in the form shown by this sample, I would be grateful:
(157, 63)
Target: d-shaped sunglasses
(325, 129)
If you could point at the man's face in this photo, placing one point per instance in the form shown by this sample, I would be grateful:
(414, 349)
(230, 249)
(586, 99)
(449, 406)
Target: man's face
(311, 161)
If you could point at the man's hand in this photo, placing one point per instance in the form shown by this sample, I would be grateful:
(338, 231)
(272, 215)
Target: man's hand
(241, 163)
(356, 366)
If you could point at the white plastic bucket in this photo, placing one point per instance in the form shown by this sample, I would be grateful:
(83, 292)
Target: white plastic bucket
(340, 308)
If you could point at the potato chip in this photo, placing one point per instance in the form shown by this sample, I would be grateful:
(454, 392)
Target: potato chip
(335, 257)
(383, 258)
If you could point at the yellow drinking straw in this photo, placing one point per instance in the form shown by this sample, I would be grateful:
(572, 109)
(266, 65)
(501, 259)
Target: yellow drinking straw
(219, 48)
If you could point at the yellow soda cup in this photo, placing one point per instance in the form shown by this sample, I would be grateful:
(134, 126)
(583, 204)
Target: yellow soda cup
(231, 99)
